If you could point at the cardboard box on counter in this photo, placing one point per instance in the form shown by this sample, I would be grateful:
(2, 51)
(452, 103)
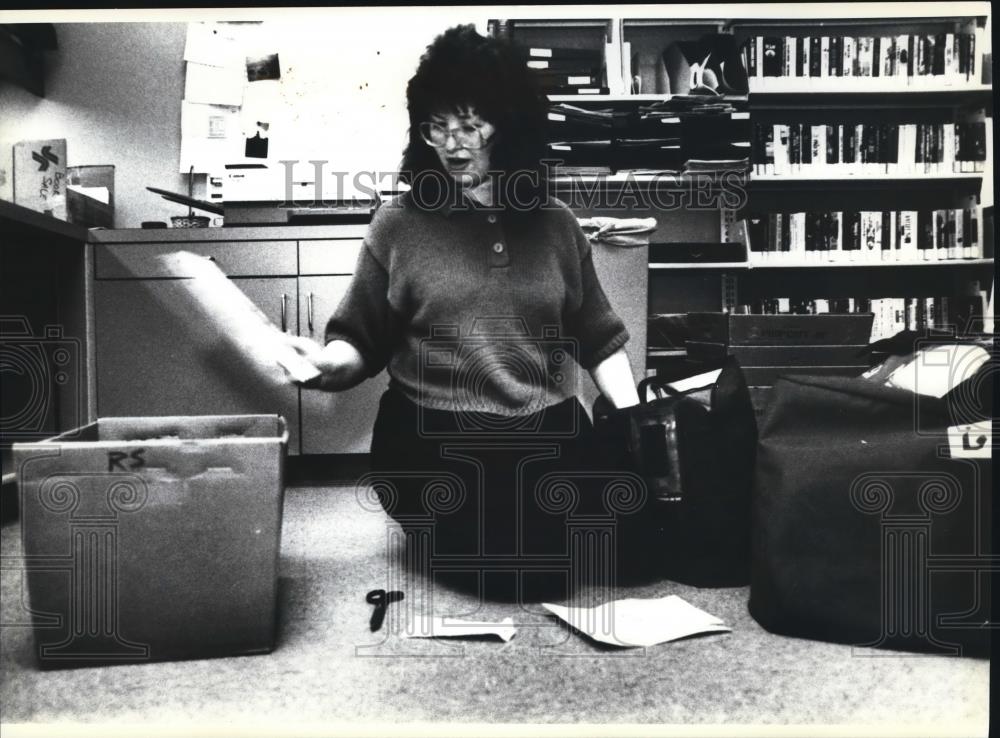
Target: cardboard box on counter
(90, 195)
(763, 356)
(153, 538)
(40, 176)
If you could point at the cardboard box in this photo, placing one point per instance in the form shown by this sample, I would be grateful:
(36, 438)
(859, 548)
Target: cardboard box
(763, 356)
(766, 376)
(90, 195)
(40, 176)
(153, 538)
(825, 329)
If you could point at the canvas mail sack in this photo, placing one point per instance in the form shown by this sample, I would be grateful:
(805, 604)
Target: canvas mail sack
(872, 514)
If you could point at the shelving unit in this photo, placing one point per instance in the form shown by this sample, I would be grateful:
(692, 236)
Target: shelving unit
(688, 287)
(983, 264)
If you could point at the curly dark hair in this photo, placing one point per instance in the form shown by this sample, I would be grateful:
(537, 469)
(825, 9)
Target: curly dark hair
(461, 69)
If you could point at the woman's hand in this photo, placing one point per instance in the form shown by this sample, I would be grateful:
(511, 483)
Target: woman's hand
(340, 365)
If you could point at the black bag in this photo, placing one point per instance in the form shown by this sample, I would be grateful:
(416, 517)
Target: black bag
(695, 451)
(871, 526)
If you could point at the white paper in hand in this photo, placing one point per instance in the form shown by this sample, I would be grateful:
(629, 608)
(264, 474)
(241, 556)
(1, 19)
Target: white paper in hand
(236, 318)
(635, 622)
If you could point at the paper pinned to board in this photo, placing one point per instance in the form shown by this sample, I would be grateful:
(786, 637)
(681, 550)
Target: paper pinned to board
(215, 44)
(211, 136)
(212, 85)
(634, 622)
(236, 318)
(437, 626)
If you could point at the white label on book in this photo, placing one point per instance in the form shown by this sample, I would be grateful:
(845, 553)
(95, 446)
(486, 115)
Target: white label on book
(536, 64)
(589, 91)
(670, 120)
(740, 116)
(560, 147)
(557, 116)
(545, 53)
(582, 80)
(973, 441)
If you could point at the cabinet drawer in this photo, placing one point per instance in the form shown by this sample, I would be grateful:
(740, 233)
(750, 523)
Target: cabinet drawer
(329, 256)
(237, 259)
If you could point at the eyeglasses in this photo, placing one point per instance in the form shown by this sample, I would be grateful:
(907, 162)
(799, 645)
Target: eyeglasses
(466, 136)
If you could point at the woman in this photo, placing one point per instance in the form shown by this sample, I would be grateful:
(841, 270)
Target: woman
(477, 291)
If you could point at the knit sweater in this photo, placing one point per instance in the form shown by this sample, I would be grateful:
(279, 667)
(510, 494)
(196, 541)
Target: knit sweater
(474, 309)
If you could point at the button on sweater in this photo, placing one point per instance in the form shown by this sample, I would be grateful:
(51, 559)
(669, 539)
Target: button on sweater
(477, 310)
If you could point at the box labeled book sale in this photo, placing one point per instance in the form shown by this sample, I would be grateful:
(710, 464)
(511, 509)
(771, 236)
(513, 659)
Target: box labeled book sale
(40, 176)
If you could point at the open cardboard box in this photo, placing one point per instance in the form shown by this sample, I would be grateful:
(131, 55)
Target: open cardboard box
(153, 538)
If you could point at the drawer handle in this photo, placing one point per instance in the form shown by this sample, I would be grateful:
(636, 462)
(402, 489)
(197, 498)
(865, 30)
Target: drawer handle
(284, 312)
(309, 312)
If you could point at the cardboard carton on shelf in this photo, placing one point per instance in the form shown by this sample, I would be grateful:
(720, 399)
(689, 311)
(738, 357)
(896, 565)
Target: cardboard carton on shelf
(153, 538)
(824, 329)
(40, 176)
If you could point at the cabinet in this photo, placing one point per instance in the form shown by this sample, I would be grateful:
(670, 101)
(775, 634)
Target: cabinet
(44, 349)
(152, 360)
(333, 422)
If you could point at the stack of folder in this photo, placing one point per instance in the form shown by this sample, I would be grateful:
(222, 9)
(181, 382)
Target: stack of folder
(567, 71)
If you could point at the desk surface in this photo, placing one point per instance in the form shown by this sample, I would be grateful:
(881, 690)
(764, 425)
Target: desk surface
(329, 667)
(15, 218)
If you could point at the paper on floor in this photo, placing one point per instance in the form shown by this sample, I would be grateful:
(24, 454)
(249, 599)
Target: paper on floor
(436, 626)
(639, 622)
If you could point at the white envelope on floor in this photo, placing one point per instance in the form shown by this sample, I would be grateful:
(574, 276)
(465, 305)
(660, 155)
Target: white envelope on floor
(436, 626)
(637, 622)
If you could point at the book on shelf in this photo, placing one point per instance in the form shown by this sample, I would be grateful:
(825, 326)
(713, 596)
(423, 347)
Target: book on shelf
(869, 149)
(891, 315)
(846, 62)
(871, 236)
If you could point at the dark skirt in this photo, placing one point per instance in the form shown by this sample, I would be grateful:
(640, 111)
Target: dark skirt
(505, 492)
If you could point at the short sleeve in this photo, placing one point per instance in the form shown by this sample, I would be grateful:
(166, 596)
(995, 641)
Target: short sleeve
(595, 325)
(364, 318)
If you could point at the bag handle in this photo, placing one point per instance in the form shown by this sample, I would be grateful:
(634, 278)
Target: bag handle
(661, 389)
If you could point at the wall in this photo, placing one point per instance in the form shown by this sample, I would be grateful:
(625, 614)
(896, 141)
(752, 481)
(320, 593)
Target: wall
(113, 91)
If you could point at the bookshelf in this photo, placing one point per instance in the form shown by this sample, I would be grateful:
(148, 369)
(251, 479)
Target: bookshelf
(934, 71)
(984, 265)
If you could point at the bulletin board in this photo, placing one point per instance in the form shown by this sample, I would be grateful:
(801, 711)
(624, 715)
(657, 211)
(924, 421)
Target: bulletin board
(329, 88)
